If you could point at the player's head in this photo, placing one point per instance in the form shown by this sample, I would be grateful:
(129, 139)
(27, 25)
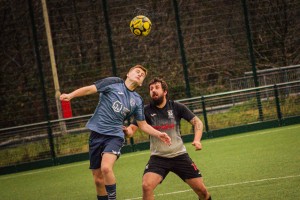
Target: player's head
(158, 89)
(137, 74)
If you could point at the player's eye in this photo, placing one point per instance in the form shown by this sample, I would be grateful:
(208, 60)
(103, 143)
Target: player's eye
(140, 72)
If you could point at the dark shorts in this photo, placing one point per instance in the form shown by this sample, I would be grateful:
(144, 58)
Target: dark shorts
(181, 165)
(99, 144)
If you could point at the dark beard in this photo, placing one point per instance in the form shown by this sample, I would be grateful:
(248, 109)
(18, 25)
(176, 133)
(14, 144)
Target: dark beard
(158, 101)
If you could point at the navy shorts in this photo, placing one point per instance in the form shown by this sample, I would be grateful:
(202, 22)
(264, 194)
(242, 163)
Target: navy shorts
(99, 144)
(181, 165)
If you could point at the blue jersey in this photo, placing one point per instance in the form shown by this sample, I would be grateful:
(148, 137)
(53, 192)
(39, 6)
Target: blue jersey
(116, 103)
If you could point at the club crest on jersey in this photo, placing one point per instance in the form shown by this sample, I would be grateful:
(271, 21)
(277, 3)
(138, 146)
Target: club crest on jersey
(132, 102)
(170, 114)
(117, 106)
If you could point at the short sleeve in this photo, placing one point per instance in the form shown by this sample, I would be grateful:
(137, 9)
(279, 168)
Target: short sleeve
(184, 112)
(139, 114)
(103, 84)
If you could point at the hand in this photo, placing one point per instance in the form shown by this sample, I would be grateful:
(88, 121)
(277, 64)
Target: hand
(65, 97)
(197, 145)
(165, 138)
(127, 132)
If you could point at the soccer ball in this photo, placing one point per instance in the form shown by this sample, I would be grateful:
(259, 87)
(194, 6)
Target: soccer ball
(140, 25)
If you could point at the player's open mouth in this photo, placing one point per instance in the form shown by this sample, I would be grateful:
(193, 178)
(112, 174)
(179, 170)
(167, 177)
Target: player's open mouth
(155, 96)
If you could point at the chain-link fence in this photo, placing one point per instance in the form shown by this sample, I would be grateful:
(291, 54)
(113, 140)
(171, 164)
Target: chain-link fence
(197, 46)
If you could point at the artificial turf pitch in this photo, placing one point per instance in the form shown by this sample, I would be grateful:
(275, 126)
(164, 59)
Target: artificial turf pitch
(256, 165)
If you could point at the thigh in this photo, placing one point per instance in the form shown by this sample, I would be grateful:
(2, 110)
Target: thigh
(113, 145)
(108, 160)
(195, 182)
(99, 144)
(151, 179)
(95, 149)
(185, 168)
(159, 166)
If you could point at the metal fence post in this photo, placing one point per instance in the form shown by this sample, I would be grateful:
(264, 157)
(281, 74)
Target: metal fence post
(42, 81)
(182, 52)
(277, 101)
(252, 59)
(108, 31)
(132, 144)
(204, 114)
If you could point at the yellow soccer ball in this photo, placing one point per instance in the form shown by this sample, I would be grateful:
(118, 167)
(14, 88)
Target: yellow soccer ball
(140, 25)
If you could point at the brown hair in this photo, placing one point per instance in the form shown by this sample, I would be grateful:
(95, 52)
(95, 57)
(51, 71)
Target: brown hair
(141, 67)
(163, 83)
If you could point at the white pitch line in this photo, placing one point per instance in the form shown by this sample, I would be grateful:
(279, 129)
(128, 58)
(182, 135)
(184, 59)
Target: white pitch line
(138, 154)
(60, 167)
(10, 176)
(226, 185)
(255, 181)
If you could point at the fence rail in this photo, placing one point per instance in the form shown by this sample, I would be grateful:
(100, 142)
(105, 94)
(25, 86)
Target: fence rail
(32, 142)
(267, 77)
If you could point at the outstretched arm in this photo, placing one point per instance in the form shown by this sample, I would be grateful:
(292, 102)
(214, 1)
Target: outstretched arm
(144, 126)
(87, 90)
(198, 129)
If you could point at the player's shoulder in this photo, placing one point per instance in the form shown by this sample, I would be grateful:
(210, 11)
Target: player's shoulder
(112, 80)
(176, 104)
(149, 108)
(137, 96)
(179, 106)
(108, 81)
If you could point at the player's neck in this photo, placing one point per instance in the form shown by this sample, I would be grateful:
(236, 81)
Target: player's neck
(162, 104)
(131, 85)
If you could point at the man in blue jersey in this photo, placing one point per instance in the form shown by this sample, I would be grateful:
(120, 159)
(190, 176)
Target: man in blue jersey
(117, 102)
(165, 115)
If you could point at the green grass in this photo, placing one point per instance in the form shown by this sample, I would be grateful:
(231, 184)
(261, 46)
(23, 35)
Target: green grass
(255, 165)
